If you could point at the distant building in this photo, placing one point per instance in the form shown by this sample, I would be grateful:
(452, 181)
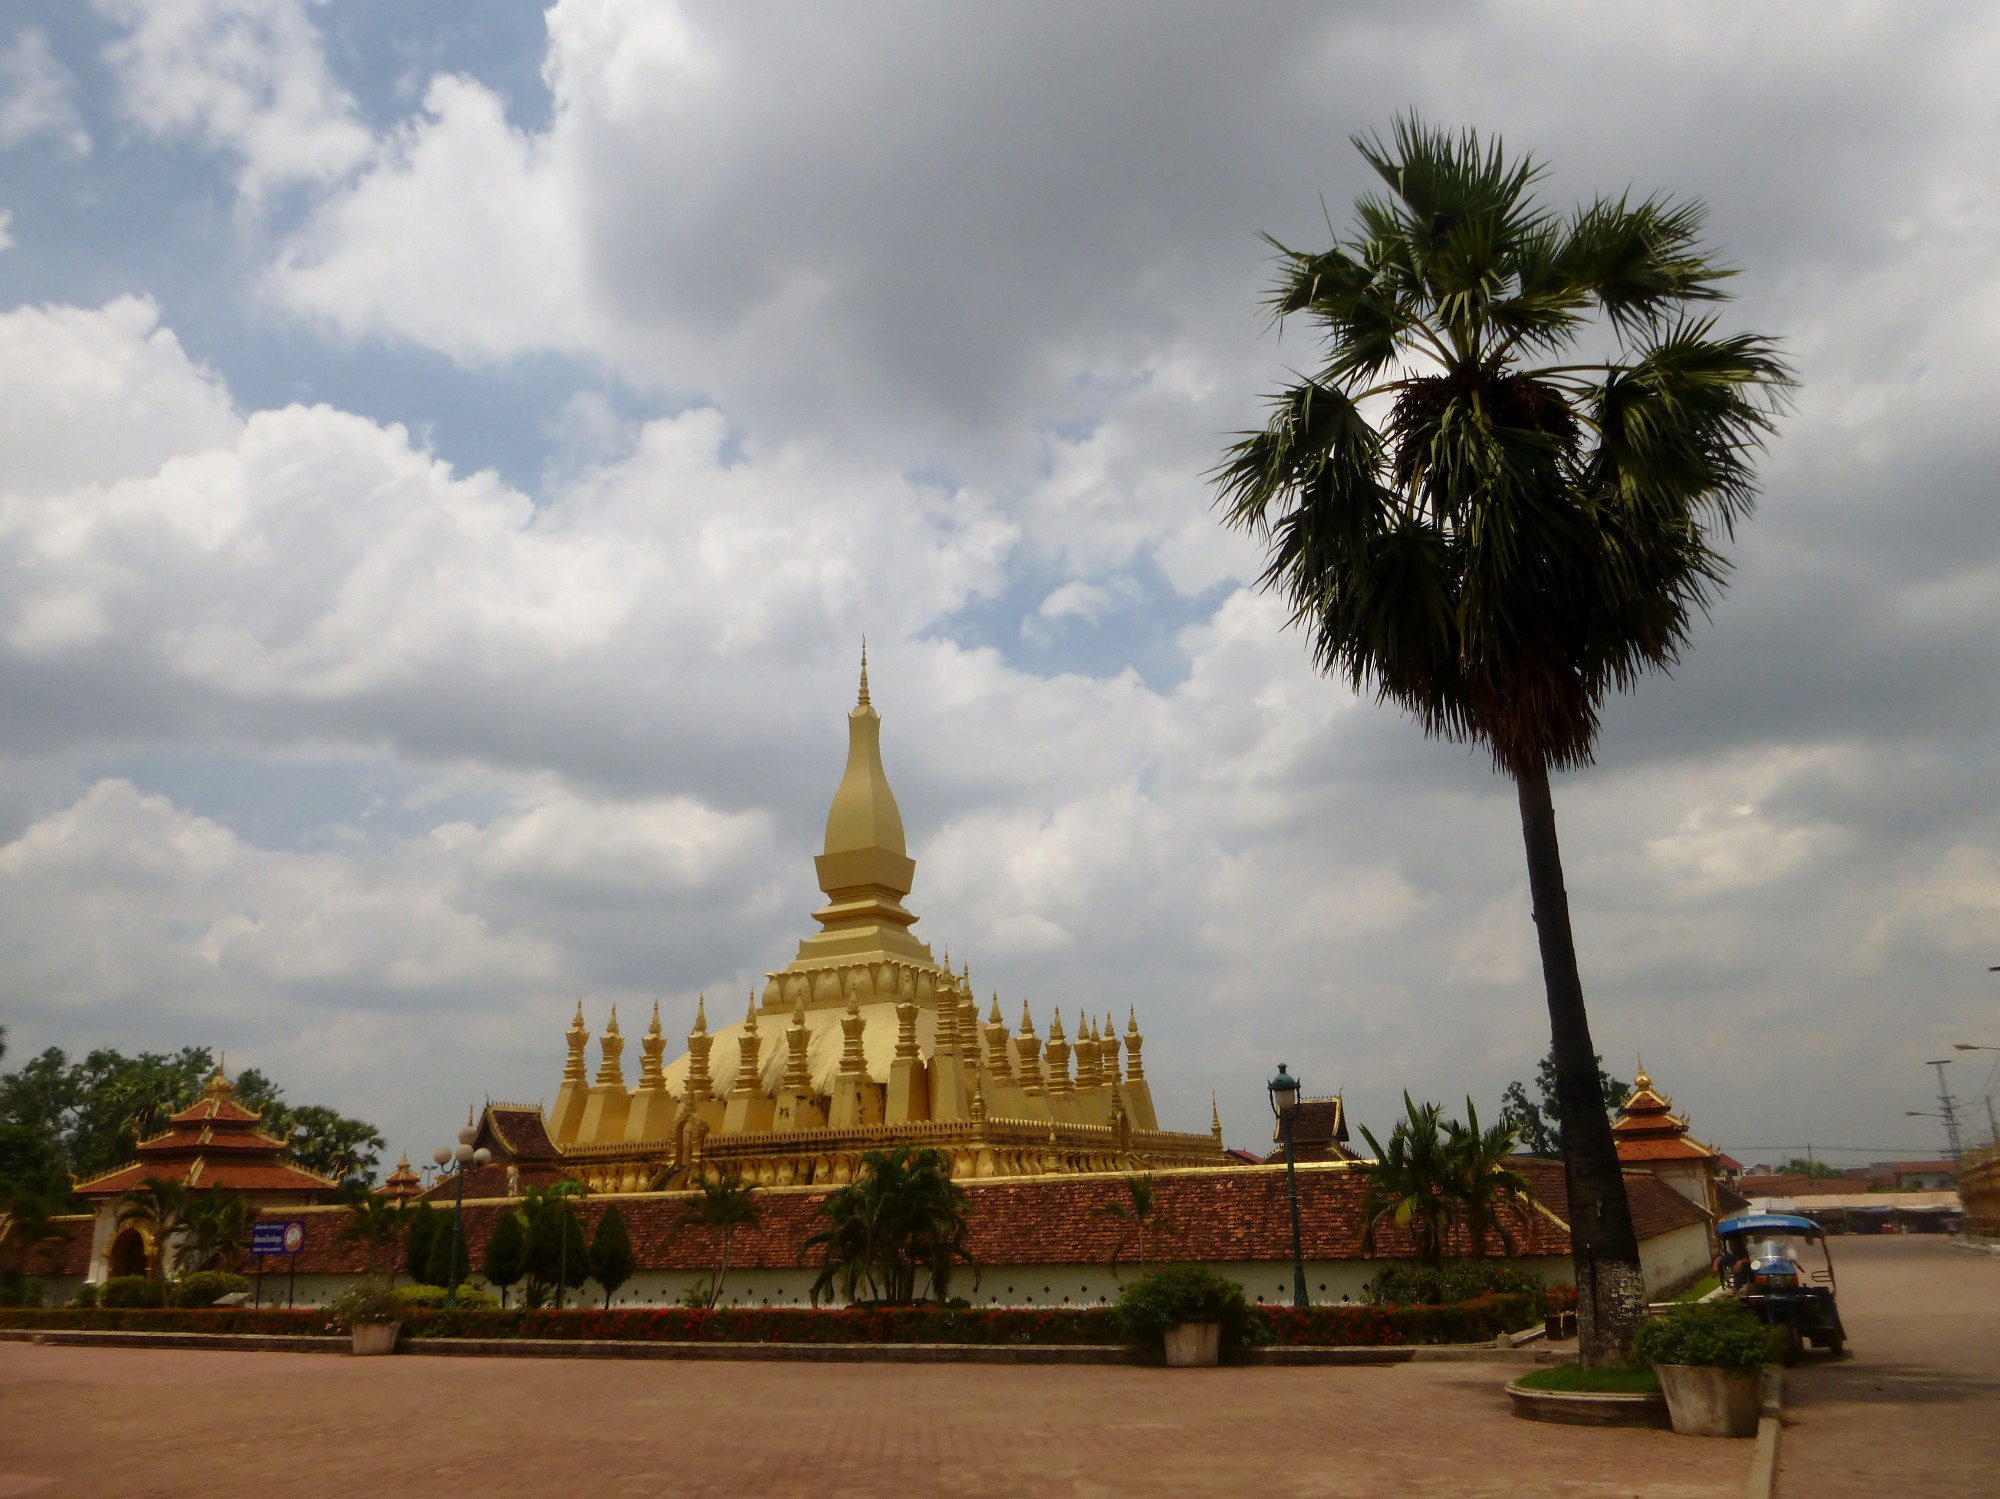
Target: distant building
(1319, 1132)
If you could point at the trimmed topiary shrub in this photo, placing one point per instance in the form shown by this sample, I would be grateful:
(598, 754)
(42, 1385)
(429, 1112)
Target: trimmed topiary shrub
(206, 1287)
(132, 1291)
(86, 1296)
(365, 1304)
(1448, 1285)
(1179, 1294)
(1711, 1334)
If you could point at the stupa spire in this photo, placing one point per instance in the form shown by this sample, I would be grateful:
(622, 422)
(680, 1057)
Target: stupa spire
(863, 702)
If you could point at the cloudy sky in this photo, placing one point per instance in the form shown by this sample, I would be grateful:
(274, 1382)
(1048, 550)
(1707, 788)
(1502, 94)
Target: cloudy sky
(450, 451)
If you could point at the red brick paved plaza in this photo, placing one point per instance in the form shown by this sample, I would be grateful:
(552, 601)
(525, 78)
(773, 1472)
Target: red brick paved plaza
(1913, 1412)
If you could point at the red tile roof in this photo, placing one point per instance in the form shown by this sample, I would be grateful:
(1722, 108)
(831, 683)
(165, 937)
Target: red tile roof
(212, 1144)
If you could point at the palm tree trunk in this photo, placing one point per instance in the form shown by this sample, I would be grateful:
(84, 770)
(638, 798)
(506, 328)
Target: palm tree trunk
(715, 1296)
(1610, 1289)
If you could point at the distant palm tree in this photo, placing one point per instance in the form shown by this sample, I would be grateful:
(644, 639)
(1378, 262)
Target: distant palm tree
(1488, 1195)
(1495, 545)
(217, 1226)
(27, 1225)
(723, 1206)
(1143, 1217)
(160, 1205)
(901, 1216)
(1409, 1184)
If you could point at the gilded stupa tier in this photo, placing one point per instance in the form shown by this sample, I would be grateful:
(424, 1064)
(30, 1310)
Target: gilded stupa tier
(865, 1040)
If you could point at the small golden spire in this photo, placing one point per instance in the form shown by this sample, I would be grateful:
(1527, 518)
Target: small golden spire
(654, 1028)
(750, 1015)
(701, 1014)
(864, 672)
(1214, 1117)
(1027, 1024)
(1642, 1081)
(995, 1015)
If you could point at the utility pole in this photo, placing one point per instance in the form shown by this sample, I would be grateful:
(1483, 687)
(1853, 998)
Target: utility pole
(1945, 1108)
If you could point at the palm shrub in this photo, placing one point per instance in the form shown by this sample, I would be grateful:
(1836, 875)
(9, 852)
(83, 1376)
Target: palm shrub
(901, 1216)
(377, 1222)
(1714, 1334)
(1153, 1305)
(216, 1228)
(1489, 1195)
(158, 1204)
(1409, 1184)
(1497, 499)
(1142, 1218)
(611, 1259)
(722, 1206)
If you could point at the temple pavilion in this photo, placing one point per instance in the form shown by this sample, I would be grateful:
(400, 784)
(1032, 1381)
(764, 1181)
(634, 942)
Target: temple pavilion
(1651, 1137)
(863, 1041)
(212, 1145)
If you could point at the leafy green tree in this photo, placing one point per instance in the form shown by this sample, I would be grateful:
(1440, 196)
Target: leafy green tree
(217, 1229)
(1495, 544)
(417, 1235)
(611, 1259)
(558, 1258)
(506, 1253)
(31, 1167)
(328, 1142)
(1489, 1197)
(1818, 1171)
(1539, 1125)
(447, 1263)
(723, 1206)
(1409, 1183)
(1143, 1220)
(27, 1228)
(901, 1215)
(378, 1223)
(159, 1205)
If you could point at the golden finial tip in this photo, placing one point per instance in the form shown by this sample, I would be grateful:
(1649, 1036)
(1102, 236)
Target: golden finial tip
(864, 672)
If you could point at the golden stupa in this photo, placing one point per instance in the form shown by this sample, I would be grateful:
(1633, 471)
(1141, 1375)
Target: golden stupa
(864, 1041)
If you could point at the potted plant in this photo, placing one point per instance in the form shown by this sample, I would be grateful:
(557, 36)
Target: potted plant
(1708, 1356)
(372, 1315)
(1185, 1313)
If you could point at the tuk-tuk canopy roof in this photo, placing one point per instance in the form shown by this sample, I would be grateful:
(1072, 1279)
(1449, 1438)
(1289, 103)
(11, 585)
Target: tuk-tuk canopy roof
(1767, 1223)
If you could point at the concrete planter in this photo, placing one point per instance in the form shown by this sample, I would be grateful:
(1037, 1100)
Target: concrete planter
(1194, 1345)
(375, 1337)
(1707, 1402)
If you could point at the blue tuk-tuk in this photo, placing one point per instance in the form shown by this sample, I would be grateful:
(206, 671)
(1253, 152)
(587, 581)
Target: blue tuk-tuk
(1778, 1283)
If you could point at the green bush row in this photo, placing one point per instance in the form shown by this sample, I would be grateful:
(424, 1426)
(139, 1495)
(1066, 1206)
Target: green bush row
(1716, 1334)
(1478, 1321)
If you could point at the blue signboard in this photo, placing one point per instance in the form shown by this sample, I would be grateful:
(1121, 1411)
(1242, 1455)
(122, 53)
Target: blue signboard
(277, 1238)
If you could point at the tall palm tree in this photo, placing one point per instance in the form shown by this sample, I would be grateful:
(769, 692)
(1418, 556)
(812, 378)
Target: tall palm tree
(1489, 1196)
(1143, 1219)
(722, 1206)
(1495, 544)
(160, 1205)
(1409, 1184)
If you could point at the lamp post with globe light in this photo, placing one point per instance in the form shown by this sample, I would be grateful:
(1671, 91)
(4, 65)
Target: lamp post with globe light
(1284, 1090)
(456, 1159)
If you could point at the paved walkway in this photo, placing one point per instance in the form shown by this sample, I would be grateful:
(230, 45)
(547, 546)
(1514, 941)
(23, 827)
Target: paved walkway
(1916, 1410)
(152, 1422)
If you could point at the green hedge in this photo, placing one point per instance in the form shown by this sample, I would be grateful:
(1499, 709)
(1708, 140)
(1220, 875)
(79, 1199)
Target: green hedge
(1370, 1326)
(220, 1319)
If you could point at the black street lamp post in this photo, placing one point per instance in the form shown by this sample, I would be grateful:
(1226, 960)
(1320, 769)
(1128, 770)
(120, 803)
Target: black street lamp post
(456, 1159)
(1284, 1090)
